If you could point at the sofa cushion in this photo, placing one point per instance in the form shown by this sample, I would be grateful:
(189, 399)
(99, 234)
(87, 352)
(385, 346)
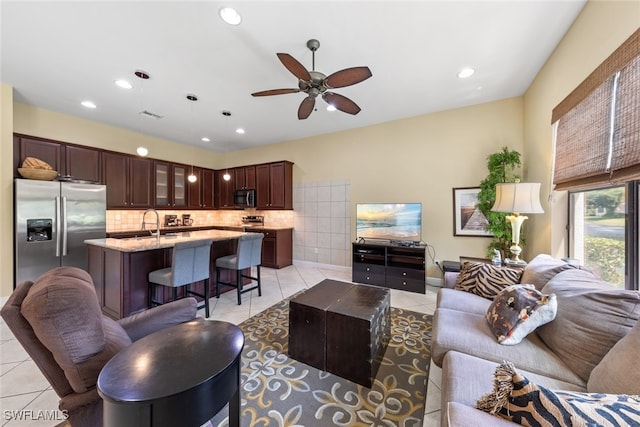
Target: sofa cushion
(610, 376)
(518, 399)
(543, 268)
(469, 333)
(464, 301)
(517, 311)
(486, 280)
(592, 317)
(466, 378)
(63, 310)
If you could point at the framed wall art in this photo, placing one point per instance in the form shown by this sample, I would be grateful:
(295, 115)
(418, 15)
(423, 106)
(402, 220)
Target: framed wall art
(468, 220)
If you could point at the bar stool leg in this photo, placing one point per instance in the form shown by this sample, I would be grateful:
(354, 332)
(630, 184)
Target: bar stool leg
(206, 297)
(217, 282)
(259, 282)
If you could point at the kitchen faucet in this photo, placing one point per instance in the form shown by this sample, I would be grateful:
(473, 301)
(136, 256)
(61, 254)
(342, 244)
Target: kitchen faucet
(157, 233)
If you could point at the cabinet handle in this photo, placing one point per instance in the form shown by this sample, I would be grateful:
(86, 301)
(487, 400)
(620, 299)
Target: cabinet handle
(404, 273)
(404, 283)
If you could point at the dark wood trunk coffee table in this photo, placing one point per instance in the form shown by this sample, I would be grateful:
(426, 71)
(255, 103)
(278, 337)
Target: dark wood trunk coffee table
(342, 328)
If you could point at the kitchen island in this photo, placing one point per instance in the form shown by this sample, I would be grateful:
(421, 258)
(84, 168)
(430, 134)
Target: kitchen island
(120, 267)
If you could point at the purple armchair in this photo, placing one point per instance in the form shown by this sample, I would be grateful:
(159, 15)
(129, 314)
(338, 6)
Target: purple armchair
(58, 321)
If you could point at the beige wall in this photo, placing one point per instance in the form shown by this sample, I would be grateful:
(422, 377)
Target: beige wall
(420, 159)
(602, 26)
(6, 190)
(49, 124)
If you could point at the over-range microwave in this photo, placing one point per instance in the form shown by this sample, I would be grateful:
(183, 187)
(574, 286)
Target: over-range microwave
(244, 198)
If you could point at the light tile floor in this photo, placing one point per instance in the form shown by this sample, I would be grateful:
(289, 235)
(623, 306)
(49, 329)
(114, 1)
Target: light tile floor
(24, 390)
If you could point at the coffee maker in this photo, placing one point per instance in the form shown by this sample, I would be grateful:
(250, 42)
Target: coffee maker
(186, 219)
(170, 220)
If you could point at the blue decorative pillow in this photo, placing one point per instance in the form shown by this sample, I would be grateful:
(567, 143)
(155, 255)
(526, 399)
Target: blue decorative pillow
(518, 400)
(517, 311)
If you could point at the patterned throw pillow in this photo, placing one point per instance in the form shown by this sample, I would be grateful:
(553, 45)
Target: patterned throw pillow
(516, 399)
(486, 280)
(517, 311)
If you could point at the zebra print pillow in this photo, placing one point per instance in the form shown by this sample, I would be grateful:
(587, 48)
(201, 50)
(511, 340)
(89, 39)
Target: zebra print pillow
(518, 400)
(486, 280)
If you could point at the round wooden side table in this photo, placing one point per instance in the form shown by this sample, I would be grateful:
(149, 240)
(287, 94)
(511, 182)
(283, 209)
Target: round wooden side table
(179, 376)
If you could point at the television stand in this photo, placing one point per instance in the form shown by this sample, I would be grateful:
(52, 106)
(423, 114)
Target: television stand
(390, 265)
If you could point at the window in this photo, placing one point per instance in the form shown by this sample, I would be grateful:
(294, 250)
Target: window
(598, 231)
(597, 159)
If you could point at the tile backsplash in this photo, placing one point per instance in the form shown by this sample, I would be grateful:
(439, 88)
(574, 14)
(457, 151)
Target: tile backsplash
(131, 220)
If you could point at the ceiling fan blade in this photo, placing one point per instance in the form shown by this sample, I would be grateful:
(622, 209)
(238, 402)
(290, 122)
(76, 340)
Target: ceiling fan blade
(347, 77)
(306, 107)
(342, 103)
(296, 68)
(275, 92)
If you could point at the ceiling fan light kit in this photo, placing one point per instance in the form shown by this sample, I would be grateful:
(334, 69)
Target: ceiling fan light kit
(314, 83)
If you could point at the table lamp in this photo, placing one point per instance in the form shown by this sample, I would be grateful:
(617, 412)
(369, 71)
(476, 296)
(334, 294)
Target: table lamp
(517, 198)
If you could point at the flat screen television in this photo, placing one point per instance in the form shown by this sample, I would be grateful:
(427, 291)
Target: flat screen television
(389, 221)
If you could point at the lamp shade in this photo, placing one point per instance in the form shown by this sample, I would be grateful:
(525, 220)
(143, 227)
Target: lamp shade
(518, 197)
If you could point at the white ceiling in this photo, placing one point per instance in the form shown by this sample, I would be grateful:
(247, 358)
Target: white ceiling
(57, 54)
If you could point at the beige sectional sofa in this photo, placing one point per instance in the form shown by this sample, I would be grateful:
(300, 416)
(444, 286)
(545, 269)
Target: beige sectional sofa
(591, 346)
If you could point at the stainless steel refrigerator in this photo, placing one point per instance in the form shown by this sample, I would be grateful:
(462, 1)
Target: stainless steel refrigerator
(52, 221)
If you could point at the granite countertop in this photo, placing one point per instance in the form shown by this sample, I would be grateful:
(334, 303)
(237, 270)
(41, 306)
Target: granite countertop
(148, 243)
(193, 228)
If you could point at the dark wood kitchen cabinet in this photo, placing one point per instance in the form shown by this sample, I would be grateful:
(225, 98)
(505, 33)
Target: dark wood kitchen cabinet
(224, 190)
(194, 189)
(277, 248)
(128, 180)
(170, 185)
(208, 188)
(74, 161)
(201, 192)
(274, 187)
(244, 178)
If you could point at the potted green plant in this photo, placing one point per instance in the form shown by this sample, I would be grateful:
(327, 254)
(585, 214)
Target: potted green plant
(502, 168)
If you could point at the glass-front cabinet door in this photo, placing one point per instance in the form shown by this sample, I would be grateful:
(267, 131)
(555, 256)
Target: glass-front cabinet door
(162, 185)
(179, 186)
(171, 185)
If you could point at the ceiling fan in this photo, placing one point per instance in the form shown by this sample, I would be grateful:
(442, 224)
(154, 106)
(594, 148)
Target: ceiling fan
(314, 83)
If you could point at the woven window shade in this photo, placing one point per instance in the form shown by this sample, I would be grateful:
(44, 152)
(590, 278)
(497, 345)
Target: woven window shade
(584, 124)
(582, 141)
(626, 148)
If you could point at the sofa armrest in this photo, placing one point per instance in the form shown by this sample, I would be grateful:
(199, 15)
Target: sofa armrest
(450, 279)
(460, 415)
(161, 317)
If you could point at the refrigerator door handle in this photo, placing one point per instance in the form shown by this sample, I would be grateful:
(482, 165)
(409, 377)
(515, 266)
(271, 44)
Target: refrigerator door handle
(58, 228)
(64, 226)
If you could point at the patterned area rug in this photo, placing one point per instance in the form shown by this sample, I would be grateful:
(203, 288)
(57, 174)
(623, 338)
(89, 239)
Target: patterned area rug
(280, 391)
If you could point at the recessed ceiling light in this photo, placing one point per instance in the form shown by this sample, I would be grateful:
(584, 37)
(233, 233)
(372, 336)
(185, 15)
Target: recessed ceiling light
(142, 151)
(240, 130)
(331, 108)
(230, 16)
(88, 104)
(123, 84)
(466, 72)
(205, 139)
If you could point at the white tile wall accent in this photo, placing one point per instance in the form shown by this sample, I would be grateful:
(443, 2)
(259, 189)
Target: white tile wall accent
(322, 221)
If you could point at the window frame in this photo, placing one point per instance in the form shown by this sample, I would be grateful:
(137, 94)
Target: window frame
(632, 229)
